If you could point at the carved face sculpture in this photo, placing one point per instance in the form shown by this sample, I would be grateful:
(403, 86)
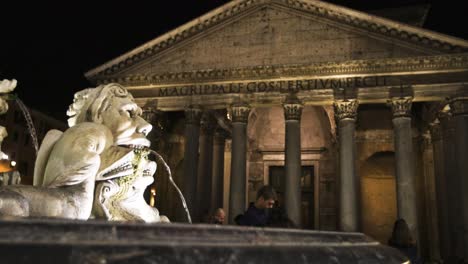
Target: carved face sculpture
(124, 171)
(125, 122)
(113, 106)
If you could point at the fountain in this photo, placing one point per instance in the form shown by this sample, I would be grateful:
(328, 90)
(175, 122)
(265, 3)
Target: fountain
(86, 204)
(97, 166)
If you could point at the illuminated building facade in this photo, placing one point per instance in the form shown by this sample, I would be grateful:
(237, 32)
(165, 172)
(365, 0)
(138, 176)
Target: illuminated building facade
(355, 119)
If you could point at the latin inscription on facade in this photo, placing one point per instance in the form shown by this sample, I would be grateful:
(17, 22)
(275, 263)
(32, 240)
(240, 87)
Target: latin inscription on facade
(274, 86)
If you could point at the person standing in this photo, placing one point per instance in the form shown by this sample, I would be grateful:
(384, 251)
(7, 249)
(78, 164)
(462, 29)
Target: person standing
(403, 241)
(218, 217)
(258, 214)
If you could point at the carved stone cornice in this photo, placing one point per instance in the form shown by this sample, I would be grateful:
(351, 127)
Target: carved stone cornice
(436, 131)
(193, 115)
(292, 108)
(459, 106)
(240, 113)
(335, 14)
(377, 66)
(346, 109)
(401, 106)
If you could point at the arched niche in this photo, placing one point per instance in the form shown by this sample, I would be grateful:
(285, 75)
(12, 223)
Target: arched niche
(378, 195)
(266, 145)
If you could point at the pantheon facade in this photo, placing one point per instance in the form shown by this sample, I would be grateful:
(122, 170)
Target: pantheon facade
(355, 119)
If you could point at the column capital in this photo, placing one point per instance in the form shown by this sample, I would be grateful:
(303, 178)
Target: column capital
(401, 106)
(436, 131)
(240, 113)
(444, 116)
(220, 136)
(193, 115)
(447, 126)
(292, 108)
(459, 106)
(346, 109)
(208, 123)
(426, 140)
(149, 114)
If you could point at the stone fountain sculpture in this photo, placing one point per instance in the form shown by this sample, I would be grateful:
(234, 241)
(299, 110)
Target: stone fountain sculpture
(104, 148)
(6, 86)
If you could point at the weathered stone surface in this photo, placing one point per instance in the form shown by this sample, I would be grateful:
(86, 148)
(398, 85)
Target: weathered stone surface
(56, 241)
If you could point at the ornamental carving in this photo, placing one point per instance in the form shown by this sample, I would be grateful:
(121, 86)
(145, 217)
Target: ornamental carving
(459, 106)
(277, 71)
(193, 115)
(401, 106)
(240, 113)
(346, 109)
(292, 108)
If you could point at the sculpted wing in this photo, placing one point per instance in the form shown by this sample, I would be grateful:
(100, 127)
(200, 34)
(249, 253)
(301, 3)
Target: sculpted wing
(75, 156)
(43, 155)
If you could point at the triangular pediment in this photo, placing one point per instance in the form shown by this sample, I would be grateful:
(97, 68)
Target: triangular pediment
(251, 33)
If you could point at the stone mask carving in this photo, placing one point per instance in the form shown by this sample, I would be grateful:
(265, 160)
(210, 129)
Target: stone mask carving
(105, 128)
(121, 199)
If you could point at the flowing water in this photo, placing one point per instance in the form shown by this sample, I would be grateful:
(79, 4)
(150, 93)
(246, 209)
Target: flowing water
(32, 132)
(168, 170)
(29, 123)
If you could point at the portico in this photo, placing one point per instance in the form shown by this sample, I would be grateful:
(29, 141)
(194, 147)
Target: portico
(327, 104)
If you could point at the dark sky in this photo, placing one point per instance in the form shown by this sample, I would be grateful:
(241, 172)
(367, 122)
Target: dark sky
(49, 47)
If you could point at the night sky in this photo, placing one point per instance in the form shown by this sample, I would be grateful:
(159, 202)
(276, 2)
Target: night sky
(49, 47)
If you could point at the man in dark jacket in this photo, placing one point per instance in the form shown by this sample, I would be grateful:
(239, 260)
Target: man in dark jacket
(256, 214)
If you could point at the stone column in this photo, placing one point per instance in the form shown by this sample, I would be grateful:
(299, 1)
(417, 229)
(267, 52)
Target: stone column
(428, 209)
(158, 137)
(441, 190)
(345, 112)
(453, 190)
(217, 185)
(205, 167)
(292, 195)
(405, 170)
(459, 108)
(237, 191)
(192, 133)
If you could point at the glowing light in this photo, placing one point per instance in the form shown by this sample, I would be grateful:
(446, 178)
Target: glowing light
(152, 196)
(12, 163)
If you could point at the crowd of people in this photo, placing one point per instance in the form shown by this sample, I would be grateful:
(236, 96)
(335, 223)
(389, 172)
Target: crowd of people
(265, 211)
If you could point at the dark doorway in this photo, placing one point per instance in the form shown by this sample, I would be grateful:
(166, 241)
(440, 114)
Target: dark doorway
(277, 180)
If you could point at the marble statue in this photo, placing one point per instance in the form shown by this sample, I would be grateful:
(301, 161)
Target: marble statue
(6, 86)
(121, 199)
(101, 146)
(3, 135)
